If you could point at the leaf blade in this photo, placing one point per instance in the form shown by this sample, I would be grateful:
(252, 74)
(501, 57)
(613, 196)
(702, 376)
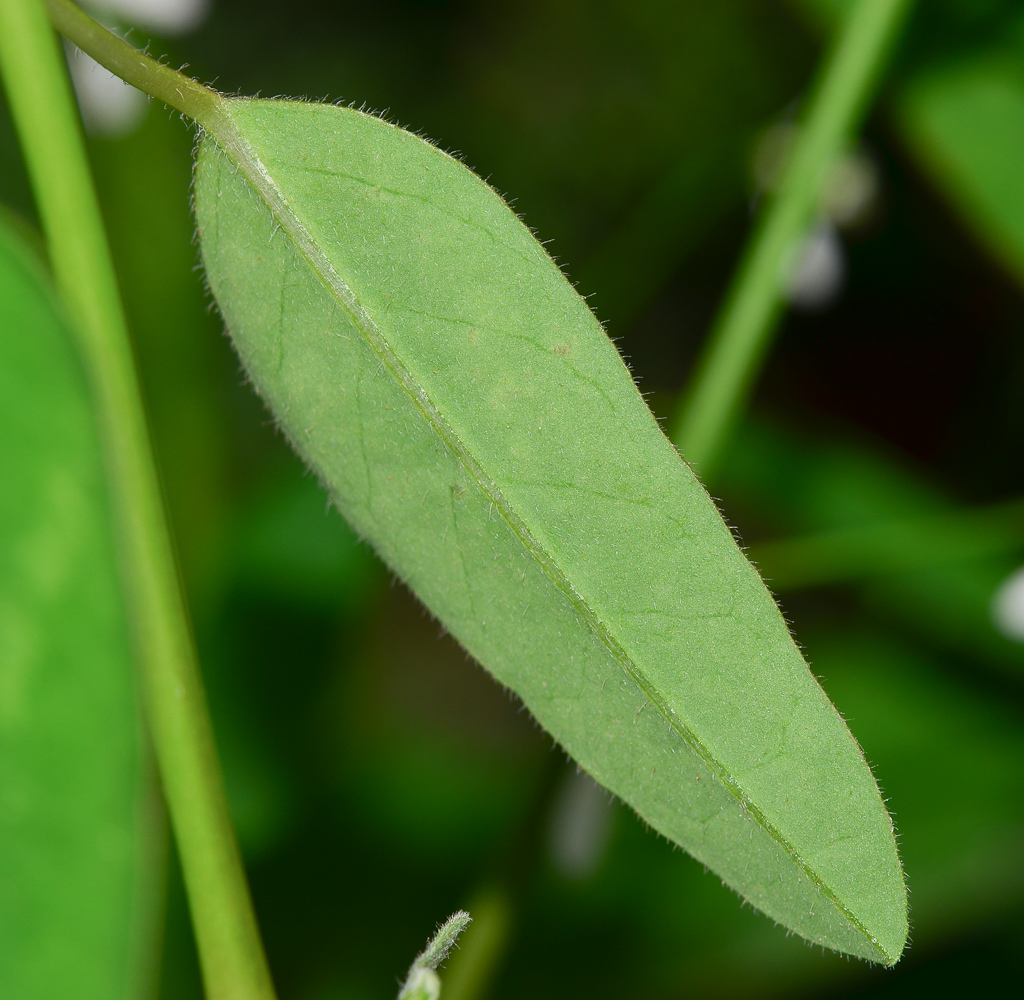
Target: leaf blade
(75, 840)
(474, 422)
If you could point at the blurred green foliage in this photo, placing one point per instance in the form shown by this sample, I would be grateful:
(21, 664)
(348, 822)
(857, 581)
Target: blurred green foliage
(380, 781)
(80, 848)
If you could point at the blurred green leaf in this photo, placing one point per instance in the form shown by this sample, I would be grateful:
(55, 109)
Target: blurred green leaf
(427, 748)
(887, 548)
(851, 494)
(965, 121)
(473, 421)
(950, 610)
(963, 116)
(633, 264)
(784, 480)
(76, 835)
(294, 548)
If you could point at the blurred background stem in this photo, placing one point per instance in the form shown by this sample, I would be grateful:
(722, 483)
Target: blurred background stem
(741, 334)
(43, 108)
(900, 546)
(475, 965)
(495, 902)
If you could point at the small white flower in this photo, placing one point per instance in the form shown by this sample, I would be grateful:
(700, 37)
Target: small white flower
(110, 107)
(1008, 607)
(167, 17)
(815, 270)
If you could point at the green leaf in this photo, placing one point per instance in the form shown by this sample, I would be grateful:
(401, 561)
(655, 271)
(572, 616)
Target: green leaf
(75, 906)
(952, 755)
(472, 420)
(965, 121)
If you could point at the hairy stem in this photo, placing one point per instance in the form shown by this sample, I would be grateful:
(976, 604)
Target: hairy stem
(753, 306)
(422, 982)
(200, 103)
(42, 104)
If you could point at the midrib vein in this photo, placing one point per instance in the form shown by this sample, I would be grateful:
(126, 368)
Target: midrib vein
(230, 139)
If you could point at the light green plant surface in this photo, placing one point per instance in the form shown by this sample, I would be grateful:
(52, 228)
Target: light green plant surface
(474, 422)
(77, 827)
(927, 729)
(470, 971)
(217, 117)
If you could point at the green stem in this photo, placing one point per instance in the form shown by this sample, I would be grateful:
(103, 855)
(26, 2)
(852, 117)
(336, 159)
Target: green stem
(422, 982)
(200, 103)
(43, 107)
(753, 306)
(912, 545)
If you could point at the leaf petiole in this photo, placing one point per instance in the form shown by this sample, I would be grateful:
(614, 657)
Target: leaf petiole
(203, 104)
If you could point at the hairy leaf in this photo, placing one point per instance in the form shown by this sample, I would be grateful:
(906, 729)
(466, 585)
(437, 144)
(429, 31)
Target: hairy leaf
(73, 829)
(472, 420)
